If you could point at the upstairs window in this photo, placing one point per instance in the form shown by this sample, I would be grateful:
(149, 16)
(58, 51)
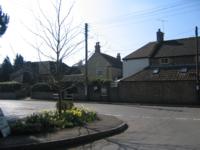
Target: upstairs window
(164, 60)
(99, 72)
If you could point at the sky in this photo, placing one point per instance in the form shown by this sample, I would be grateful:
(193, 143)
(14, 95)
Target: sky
(121, 26)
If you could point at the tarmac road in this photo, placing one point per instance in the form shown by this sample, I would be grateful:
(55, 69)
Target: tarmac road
(150, 127)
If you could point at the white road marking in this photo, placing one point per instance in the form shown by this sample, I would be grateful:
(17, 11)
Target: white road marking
(183, 118)
(196, 119)
(113, 115)
(165, 118)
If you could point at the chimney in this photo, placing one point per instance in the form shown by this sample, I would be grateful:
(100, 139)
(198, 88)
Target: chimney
(118, 56)
(160, 36)
(97, 48)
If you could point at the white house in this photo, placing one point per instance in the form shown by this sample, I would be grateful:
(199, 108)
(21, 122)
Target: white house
(140, 59)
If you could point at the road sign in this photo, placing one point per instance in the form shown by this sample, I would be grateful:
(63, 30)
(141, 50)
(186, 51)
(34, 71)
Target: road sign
(4, 127)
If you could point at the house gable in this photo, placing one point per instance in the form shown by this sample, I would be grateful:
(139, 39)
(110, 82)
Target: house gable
(97, 67)
(102, 66)
(133, 66)
(98, 60)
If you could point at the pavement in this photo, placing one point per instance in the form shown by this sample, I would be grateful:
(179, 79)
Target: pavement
(67, 138)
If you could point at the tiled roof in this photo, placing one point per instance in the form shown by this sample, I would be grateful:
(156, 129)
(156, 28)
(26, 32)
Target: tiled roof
(112, 60)
(164, 74)
(143, 52)
(179, 47)
(170, 48)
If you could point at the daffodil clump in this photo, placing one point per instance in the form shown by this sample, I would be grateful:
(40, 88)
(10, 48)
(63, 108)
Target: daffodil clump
(51, 120)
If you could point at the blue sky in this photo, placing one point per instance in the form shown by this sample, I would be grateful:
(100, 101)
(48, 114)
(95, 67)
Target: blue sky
(121, 26)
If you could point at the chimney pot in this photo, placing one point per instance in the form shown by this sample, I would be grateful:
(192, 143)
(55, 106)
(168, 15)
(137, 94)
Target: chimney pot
(97, 48)
(118, 56)
(160, 36)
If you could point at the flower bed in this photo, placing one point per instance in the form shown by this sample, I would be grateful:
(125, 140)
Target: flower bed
(51, 121)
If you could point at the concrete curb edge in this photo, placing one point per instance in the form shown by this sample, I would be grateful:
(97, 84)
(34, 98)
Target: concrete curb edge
(72, 142)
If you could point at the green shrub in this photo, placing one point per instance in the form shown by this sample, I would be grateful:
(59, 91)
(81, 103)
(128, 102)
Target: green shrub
(51, 121)
(11, 86)
(42, 87)
(100, 82)
(65, 105)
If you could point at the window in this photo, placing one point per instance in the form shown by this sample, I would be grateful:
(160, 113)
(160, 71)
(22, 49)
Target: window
(183, 70)
(164, 60)
(156, 71)
(99, 72)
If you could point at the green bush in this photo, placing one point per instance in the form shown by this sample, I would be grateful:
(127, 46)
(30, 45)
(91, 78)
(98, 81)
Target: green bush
(51, 121)
(42, 87)
(65, 105)
(100, 82)
(11, 86)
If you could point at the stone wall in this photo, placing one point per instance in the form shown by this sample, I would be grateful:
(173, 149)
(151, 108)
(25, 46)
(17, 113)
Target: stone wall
(97, 67)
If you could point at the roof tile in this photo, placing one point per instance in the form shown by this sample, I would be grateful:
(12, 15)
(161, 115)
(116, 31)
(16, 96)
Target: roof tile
(170, 48)
(113, 61)
(165, 74)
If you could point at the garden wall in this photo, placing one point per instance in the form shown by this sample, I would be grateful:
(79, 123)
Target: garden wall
(43, 95)
(164, 92)
(13, 95)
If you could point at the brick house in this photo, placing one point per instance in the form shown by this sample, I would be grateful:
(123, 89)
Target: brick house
(168, 77)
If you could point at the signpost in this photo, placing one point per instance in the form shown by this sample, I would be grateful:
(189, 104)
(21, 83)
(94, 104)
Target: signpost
(4, 127)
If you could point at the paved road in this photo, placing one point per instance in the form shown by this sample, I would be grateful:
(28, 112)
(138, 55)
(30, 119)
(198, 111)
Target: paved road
(20, 108)
(150, 127)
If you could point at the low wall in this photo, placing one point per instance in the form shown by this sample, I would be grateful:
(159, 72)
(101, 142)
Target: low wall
(13, 95)
(43, 95)
(7, 95)
(114, 94)
(167, 92)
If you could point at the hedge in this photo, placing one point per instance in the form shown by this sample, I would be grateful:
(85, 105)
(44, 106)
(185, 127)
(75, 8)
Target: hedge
(42, 87)
(10, 86)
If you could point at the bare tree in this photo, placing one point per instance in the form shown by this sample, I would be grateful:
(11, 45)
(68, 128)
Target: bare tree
(57, 38)
(4, 20)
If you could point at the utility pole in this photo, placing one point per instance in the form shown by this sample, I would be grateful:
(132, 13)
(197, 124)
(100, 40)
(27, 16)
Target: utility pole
(86, 61)
(197, 62)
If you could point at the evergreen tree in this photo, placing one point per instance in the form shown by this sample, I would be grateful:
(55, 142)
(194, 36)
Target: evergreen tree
(4, 20)
(6, 69)
(18, 62)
